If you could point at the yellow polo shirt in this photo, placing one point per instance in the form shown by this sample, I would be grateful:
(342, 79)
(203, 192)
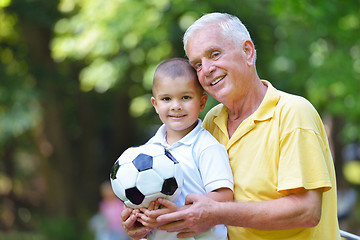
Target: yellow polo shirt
(281, 146)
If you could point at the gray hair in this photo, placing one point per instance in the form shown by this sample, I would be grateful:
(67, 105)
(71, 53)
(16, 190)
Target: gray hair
(231, 26)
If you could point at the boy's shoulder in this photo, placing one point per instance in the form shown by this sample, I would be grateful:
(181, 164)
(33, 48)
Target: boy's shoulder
(205, 139)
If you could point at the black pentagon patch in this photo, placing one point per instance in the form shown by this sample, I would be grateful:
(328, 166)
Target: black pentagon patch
(169, 186)
(114, 170)
(134, 195)
(171, 157)
(143, 162)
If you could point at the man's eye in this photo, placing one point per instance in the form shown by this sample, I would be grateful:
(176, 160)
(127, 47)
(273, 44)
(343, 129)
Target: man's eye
(215, 54)
(197, 66)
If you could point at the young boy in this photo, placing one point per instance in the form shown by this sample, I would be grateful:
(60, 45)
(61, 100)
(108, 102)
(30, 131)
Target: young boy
(177, 98)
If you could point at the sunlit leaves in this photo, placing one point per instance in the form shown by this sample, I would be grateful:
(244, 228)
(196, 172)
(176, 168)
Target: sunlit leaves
(92, 76)
(101, 31)
(7, 25)
(322, 42)
(18, 118)
(349, 22)
(319, 52)
(140, 105)
(187, 19)
(4, 3)
(19, 109)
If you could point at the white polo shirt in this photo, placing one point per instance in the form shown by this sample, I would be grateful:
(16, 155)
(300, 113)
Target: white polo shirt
(206, 167)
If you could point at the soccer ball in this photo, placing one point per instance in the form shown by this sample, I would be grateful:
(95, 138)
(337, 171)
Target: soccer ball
(143, 174)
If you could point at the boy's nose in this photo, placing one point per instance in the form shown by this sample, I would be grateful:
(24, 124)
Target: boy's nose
(176, 106)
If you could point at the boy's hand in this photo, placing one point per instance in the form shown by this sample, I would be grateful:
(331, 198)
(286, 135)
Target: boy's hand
(161, 206)
(132, 227)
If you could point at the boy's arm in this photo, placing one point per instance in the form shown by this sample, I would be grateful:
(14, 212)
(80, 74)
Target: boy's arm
(221, 195)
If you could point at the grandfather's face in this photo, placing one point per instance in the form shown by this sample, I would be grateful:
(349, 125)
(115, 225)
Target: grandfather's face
(220, 64)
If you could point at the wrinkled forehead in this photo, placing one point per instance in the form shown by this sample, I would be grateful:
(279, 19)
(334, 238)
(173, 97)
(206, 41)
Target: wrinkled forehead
(205, 41)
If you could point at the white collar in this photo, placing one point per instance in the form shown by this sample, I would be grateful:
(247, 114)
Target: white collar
(160, 136)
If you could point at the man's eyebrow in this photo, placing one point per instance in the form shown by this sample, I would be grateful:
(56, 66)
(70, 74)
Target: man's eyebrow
(207, 52)
(192, 62)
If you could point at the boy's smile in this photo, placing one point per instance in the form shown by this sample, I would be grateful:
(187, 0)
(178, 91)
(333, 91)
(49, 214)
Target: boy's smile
(178, 102)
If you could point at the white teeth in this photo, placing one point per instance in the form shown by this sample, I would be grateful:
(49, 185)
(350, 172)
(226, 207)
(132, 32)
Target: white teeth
(216, 81)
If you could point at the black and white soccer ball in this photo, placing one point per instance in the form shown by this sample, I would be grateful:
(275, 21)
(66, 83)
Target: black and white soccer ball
(143, 174)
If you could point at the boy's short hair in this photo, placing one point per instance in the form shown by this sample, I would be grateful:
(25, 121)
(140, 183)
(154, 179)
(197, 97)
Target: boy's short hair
(173, 68)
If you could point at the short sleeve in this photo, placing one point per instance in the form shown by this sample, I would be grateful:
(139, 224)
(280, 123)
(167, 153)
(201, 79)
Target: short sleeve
(303, 162)
(215, 169)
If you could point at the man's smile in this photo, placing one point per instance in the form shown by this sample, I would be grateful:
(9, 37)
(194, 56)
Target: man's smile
(216, 80)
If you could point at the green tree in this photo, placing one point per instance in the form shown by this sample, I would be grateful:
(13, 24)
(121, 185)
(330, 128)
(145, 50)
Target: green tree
(76, 81)
(318, 52)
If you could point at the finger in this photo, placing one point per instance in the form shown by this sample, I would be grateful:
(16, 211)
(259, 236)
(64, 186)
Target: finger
(138, 233)
(125, 213)
(157, 205)
(143, 222)
(148, 224)
(185, 234)
(129, 222)
(191, 198)
(156, 213)
(145, 218)
(178, 226)
(171, 217)
(168, 204)
(151, 206)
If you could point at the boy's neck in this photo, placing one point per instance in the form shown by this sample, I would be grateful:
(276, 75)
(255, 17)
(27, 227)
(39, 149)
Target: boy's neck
(173, 136)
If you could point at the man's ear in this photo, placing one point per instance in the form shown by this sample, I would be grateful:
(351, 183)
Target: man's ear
(203, 101)
(249, 50)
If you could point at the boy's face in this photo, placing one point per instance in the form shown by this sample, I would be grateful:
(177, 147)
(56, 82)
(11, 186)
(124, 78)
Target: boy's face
(178, 102)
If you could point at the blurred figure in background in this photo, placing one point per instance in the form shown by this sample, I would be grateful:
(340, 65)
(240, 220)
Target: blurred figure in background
(106, 224)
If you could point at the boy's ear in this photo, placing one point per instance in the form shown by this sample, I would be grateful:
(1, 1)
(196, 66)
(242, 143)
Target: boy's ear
(203, 101)
(154, 103)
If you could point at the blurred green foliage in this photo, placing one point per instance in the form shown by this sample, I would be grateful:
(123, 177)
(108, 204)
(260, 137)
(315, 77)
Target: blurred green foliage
(318, 51)
(75, 87)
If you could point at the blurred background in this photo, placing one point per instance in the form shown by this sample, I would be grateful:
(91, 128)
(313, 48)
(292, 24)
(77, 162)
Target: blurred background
(75, 88)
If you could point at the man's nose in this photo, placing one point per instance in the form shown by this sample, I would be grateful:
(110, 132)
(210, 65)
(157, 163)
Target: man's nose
(208, 67)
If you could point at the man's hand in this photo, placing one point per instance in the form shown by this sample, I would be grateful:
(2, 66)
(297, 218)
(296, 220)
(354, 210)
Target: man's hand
(147, 216)
(193, 219)
(130, 224)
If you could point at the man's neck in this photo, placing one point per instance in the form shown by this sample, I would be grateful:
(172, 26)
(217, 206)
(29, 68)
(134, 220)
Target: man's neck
(242, 108)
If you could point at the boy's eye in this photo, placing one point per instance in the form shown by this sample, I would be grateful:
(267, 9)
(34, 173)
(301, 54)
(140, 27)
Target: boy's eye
(165, 99)
(186, 97)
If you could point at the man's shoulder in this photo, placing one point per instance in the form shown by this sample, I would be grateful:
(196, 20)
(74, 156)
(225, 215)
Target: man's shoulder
(297, 109)
(216, 110)
(293, 102)
(213, 113)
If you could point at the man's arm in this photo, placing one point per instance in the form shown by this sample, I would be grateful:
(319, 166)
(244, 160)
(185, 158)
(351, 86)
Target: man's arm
(150, 215)
(297, 210)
